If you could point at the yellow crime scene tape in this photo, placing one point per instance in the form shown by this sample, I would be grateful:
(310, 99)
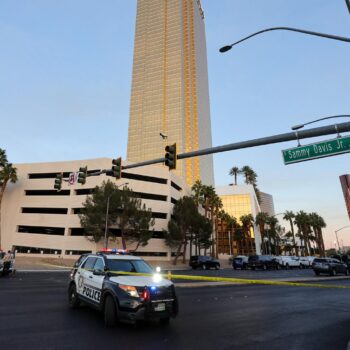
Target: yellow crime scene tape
(171, 276)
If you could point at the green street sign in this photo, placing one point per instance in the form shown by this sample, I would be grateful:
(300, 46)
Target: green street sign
(317, 150)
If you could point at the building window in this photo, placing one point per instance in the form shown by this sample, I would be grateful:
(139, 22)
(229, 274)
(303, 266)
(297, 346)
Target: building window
(44, 210)
(36, 250)
(156, 197)
(173, 184)
(150, 253)
(144, 178)
(84, 191)
(44, 230)
(77, 231)
(77, 252)
(173, 200)
(47, 193)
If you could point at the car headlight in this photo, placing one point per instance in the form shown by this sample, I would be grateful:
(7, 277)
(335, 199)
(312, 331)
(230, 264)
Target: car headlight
(131, 290)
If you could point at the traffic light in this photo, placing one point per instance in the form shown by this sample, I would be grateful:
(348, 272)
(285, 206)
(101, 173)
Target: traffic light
(58, 182)
(82, 175)
(117, 168)
(170, 156)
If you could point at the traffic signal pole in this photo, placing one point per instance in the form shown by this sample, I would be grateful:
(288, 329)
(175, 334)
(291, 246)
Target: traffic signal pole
(290, 136)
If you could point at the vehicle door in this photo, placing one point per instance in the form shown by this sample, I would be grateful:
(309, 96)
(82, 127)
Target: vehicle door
(338, 266)
(96, 278)
(83, 274)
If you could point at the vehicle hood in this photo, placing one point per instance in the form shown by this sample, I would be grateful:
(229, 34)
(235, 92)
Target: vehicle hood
(140, 281)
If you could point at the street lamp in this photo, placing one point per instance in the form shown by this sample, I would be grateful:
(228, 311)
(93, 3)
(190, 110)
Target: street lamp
(336, 235)
(299, 126)
(348, 4)
(323, 35)
(107, 210)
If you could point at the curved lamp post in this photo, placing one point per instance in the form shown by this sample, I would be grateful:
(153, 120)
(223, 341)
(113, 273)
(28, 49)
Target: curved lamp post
(348, 4)
(107, 210)
(322, 35)
(336, 235)
(299, 126)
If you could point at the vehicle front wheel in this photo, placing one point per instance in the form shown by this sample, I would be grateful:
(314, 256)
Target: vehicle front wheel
(73, 299)
(110, 312)
(346, 272)
(217, 266)
(264, 267)
(317, 273)
(333, 272)
(204, 266)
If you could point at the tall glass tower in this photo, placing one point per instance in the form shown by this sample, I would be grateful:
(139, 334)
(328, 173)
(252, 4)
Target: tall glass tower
(170, 93)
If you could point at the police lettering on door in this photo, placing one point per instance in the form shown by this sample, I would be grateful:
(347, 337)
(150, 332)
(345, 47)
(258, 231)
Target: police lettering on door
(91, 293)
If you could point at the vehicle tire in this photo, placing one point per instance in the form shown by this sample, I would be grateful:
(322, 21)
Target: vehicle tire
(346, 272)
(277, 267)
(234, 267)
(204, 267)
(110, 312)
(287, 266)
(253, 268)
(194, 267)
(73, 300)
(264, 267)
(217, 267)
(333, 272)
(164, 321)
(300, 267)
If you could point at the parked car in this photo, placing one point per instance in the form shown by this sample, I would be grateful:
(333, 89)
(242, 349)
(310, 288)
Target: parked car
(288, 262)
(306, 261)
(240, 262)
(204, 262)
(329, 266)
(264, 262)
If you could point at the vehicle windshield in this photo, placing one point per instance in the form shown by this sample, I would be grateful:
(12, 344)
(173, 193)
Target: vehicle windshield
(238, 259)
(128, 266)
(319, 260)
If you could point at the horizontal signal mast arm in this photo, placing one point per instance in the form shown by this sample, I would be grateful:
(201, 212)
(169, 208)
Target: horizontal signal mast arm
(290, 136)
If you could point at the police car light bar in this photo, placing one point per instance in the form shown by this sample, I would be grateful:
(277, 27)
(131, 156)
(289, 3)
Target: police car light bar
(114, 251)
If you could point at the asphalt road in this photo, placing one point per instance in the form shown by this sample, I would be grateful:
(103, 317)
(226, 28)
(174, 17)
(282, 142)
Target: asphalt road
(34, 315)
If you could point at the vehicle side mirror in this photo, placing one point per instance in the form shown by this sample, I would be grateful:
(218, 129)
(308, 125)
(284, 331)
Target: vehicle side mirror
(98, 273)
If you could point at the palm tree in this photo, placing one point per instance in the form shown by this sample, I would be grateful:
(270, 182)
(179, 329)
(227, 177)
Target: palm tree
(272, 222)
(317, 223)
(289, 216)
(302, 220)
(247, 223)
(249, 175)
(234, 172)
(7, 173)
(261, 220)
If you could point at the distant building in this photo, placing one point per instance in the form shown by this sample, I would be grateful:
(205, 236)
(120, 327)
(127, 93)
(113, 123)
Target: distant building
(170, 93)
(266, 205)
(38, 220)
(238, 200)
(345, 185)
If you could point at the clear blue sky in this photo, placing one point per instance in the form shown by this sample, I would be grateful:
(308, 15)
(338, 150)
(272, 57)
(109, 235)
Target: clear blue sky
(65, 79)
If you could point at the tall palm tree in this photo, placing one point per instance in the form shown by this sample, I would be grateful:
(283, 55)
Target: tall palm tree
(317, 223)
(302, 220)
(261, 220)
(272, 222)
(249, 175)
(289, 216)
(7, 173)
(234, 172)
(247, 223)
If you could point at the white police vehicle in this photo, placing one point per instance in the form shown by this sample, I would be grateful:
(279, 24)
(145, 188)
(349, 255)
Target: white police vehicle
(109, 281)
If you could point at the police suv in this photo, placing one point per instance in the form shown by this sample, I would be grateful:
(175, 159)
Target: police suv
(123, 287)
